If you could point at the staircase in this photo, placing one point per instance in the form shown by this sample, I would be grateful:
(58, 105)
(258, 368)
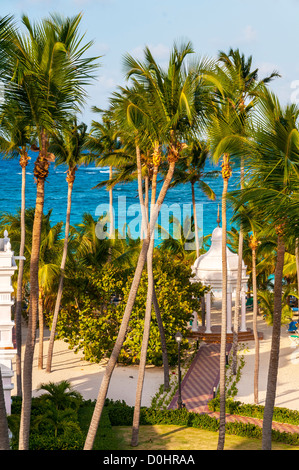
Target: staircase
(200, 380)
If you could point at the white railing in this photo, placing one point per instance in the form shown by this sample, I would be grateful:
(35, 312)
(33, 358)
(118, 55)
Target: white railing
(5, 298)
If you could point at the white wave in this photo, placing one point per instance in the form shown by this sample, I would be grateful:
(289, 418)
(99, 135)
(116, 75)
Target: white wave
(94, 168)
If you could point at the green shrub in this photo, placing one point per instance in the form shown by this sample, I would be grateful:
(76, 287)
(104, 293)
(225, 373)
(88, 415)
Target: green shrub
(50, 442)
(177, 417)
(120, 414)
(281, 415)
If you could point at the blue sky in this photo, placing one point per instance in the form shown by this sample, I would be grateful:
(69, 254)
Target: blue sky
(265, 29)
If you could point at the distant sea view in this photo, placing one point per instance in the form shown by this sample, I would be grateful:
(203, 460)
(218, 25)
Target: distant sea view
(86, 199)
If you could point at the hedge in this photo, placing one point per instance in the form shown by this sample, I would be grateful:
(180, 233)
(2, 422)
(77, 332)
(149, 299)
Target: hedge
(118, 413)
(280, 415)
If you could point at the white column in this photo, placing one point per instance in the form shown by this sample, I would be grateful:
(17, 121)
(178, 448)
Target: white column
(243, 311)
(208, 312)
(229, 312)
(194, 322)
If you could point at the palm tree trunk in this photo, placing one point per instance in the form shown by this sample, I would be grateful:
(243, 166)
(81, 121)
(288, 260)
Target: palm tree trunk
(237, 306)
(126, 317)
(70, 180)
(18, 314)
(226, 173)
(41, 329)
(156, 304)
(297, 265)
(255, 332)
(195, 221)
(147, 322)
(275, 345)
(33, 314)
(4, 437)
(41, 170)
(238, 288)
(163, 341)
(146, 198)
(111, 231)
(143, 354)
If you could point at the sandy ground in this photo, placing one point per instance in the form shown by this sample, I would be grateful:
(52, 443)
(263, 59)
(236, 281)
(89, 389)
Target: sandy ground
(287, 393)
(86, 377)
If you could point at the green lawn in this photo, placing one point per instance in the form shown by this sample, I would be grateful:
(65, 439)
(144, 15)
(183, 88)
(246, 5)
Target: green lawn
(166, 437)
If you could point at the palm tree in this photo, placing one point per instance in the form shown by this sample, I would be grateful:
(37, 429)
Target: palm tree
(297, 263)
(227, 138)
(68, 147)
(251, 225)
(103, 141)
(266, 300)
(229, 133)
(61, 395)
(50, 254)
(163, 122)
(48, 80)
(191, 170)
(15, 141)
(242, 91)
(91, 250)
(48, 272)
(272, 191)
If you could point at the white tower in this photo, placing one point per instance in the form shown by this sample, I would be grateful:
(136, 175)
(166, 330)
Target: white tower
(7, 350)
(208, 270)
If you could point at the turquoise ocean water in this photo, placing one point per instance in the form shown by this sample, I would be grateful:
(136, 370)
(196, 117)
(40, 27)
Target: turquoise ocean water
(85, 199)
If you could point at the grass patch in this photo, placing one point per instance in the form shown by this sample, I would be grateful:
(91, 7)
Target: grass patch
(169, 437)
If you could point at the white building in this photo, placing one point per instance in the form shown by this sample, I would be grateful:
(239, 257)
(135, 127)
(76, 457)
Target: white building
(207, 269)
(7, 351)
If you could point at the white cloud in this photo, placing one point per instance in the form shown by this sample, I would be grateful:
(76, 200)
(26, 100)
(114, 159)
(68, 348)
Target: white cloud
(159, 51)
(249, 34)
(266, 68)
(106, 83)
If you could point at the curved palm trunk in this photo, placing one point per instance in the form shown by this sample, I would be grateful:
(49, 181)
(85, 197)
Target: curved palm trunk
(147, 322)
(18, 314)
(146, 200)
(70, 180)
(238, 289)
(237, 306)
(163, 341)
(126, 317)
(226, 173)
(40, 172)
(255, 332)
(297, 264)
(195, 221)
(275, 345)
(156, 304)
(41, 329)
(4, 437)
(111, 231)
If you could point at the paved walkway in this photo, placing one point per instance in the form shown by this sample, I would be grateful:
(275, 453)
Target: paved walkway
(199, 382)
